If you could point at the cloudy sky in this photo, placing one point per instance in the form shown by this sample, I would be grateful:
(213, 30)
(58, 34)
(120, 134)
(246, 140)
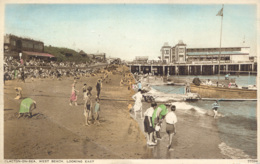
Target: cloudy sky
(129, 30)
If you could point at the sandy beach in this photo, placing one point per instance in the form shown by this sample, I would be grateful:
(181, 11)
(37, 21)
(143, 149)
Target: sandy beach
(57, 131)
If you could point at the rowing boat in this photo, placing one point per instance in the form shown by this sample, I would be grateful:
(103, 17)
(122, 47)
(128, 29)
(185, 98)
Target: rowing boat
(206, 91)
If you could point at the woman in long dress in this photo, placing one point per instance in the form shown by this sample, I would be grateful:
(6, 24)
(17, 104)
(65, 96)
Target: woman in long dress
(138, 103)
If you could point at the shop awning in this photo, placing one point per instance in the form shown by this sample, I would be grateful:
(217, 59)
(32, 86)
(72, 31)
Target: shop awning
(38, 54)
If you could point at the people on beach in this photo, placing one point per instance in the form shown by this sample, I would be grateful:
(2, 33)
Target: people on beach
(129, 84)
(96, 112)
(22, 76)
(157, 118)
(187, 87)
(209, 82)
(227, 76)
(18, 91)
(73, 97)
(121, 82)
(171, 120)
(129, 107)
(229, 85)
(26, 107)
(87, 109)
(148, 126)
(98, 87)
(89, 89)
(215, 107)
(84, 90)
(138, 103)
(139, 84)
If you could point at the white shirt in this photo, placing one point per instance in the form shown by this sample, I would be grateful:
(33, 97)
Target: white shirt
(171, 118)
(149, 112)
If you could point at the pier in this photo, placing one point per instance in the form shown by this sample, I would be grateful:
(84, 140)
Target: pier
(163, 69)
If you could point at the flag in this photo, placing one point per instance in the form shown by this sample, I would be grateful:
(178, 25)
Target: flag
(220, 13)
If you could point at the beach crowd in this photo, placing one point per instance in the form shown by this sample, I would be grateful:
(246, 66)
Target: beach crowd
(37, 68)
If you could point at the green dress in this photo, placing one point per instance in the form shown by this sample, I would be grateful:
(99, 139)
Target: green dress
(163, 112)
(26, 105)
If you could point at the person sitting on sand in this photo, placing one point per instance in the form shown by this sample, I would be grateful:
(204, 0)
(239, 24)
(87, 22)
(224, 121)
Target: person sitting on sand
(215, 107)
(158, 116)
(73, 97)
(26, 107)
(96, 111)
(138, 103)
(171, 120)
(18, 91)
(148, 127)
(87, 109)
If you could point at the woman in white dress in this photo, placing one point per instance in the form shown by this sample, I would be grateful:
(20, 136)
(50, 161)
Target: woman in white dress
(138, 103)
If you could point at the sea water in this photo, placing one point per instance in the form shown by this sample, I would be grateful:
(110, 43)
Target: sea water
(242, 80)
(237, 125)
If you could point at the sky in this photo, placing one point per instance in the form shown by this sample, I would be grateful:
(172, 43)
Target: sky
(130, 30)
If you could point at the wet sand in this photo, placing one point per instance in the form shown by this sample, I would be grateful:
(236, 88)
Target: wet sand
(57, 131)
(197, 137)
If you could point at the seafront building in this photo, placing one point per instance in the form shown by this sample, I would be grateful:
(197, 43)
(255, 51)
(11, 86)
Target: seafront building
(183, 60)
(24, 48)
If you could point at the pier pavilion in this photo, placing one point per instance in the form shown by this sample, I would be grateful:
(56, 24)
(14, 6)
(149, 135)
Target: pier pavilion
(193, 69)
(197, 61)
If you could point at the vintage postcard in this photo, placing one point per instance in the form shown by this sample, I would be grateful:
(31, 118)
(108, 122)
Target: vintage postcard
(129, 82)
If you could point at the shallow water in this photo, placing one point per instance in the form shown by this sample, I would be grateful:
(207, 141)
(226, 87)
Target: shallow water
(242, 80)
(237, 125)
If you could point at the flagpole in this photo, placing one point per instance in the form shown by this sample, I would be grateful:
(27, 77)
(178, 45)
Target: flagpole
(220, 43)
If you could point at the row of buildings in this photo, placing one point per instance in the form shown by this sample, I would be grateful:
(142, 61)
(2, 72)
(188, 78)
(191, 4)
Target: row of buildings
(27, 48)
